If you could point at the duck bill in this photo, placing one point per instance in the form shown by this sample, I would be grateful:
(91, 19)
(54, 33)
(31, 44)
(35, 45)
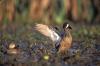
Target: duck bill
(70, 27)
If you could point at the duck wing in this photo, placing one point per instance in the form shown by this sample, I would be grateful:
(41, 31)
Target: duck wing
(47, 31)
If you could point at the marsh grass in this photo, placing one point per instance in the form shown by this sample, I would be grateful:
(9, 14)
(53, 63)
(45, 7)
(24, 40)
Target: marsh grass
(33, 47)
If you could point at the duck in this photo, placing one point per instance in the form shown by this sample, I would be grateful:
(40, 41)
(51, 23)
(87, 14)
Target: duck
(62, 41)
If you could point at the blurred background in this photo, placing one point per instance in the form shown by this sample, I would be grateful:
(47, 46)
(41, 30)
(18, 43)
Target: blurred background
(21, 45)
(50, 11)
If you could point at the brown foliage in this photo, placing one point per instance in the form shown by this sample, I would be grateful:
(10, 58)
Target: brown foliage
(97, 6)
(68, 6)
(75, 10)
(37, 8)
(10, 9)
(85, 4)
(7, 9)
(1, 10)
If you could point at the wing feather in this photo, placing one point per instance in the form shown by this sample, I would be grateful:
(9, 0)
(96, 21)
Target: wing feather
(46, 31)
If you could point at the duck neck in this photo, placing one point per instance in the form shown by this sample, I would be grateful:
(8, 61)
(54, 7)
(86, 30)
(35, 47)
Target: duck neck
(67, 33)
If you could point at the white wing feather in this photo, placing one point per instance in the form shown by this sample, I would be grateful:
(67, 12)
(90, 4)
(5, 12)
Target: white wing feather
(45, 30)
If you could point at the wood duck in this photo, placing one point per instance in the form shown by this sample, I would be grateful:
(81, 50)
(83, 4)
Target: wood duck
(63, 41)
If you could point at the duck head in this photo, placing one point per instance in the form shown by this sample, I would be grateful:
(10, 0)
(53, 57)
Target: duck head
(67, 27)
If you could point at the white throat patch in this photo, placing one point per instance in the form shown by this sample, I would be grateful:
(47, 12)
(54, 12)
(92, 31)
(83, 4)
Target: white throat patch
(67, 25)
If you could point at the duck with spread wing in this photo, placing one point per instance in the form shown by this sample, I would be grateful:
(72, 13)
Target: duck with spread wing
(62, 42)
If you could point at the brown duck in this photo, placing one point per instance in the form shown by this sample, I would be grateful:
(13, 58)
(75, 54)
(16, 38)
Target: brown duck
(62, 42)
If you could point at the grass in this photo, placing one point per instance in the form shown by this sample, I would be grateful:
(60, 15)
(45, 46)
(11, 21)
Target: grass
(34, 49)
